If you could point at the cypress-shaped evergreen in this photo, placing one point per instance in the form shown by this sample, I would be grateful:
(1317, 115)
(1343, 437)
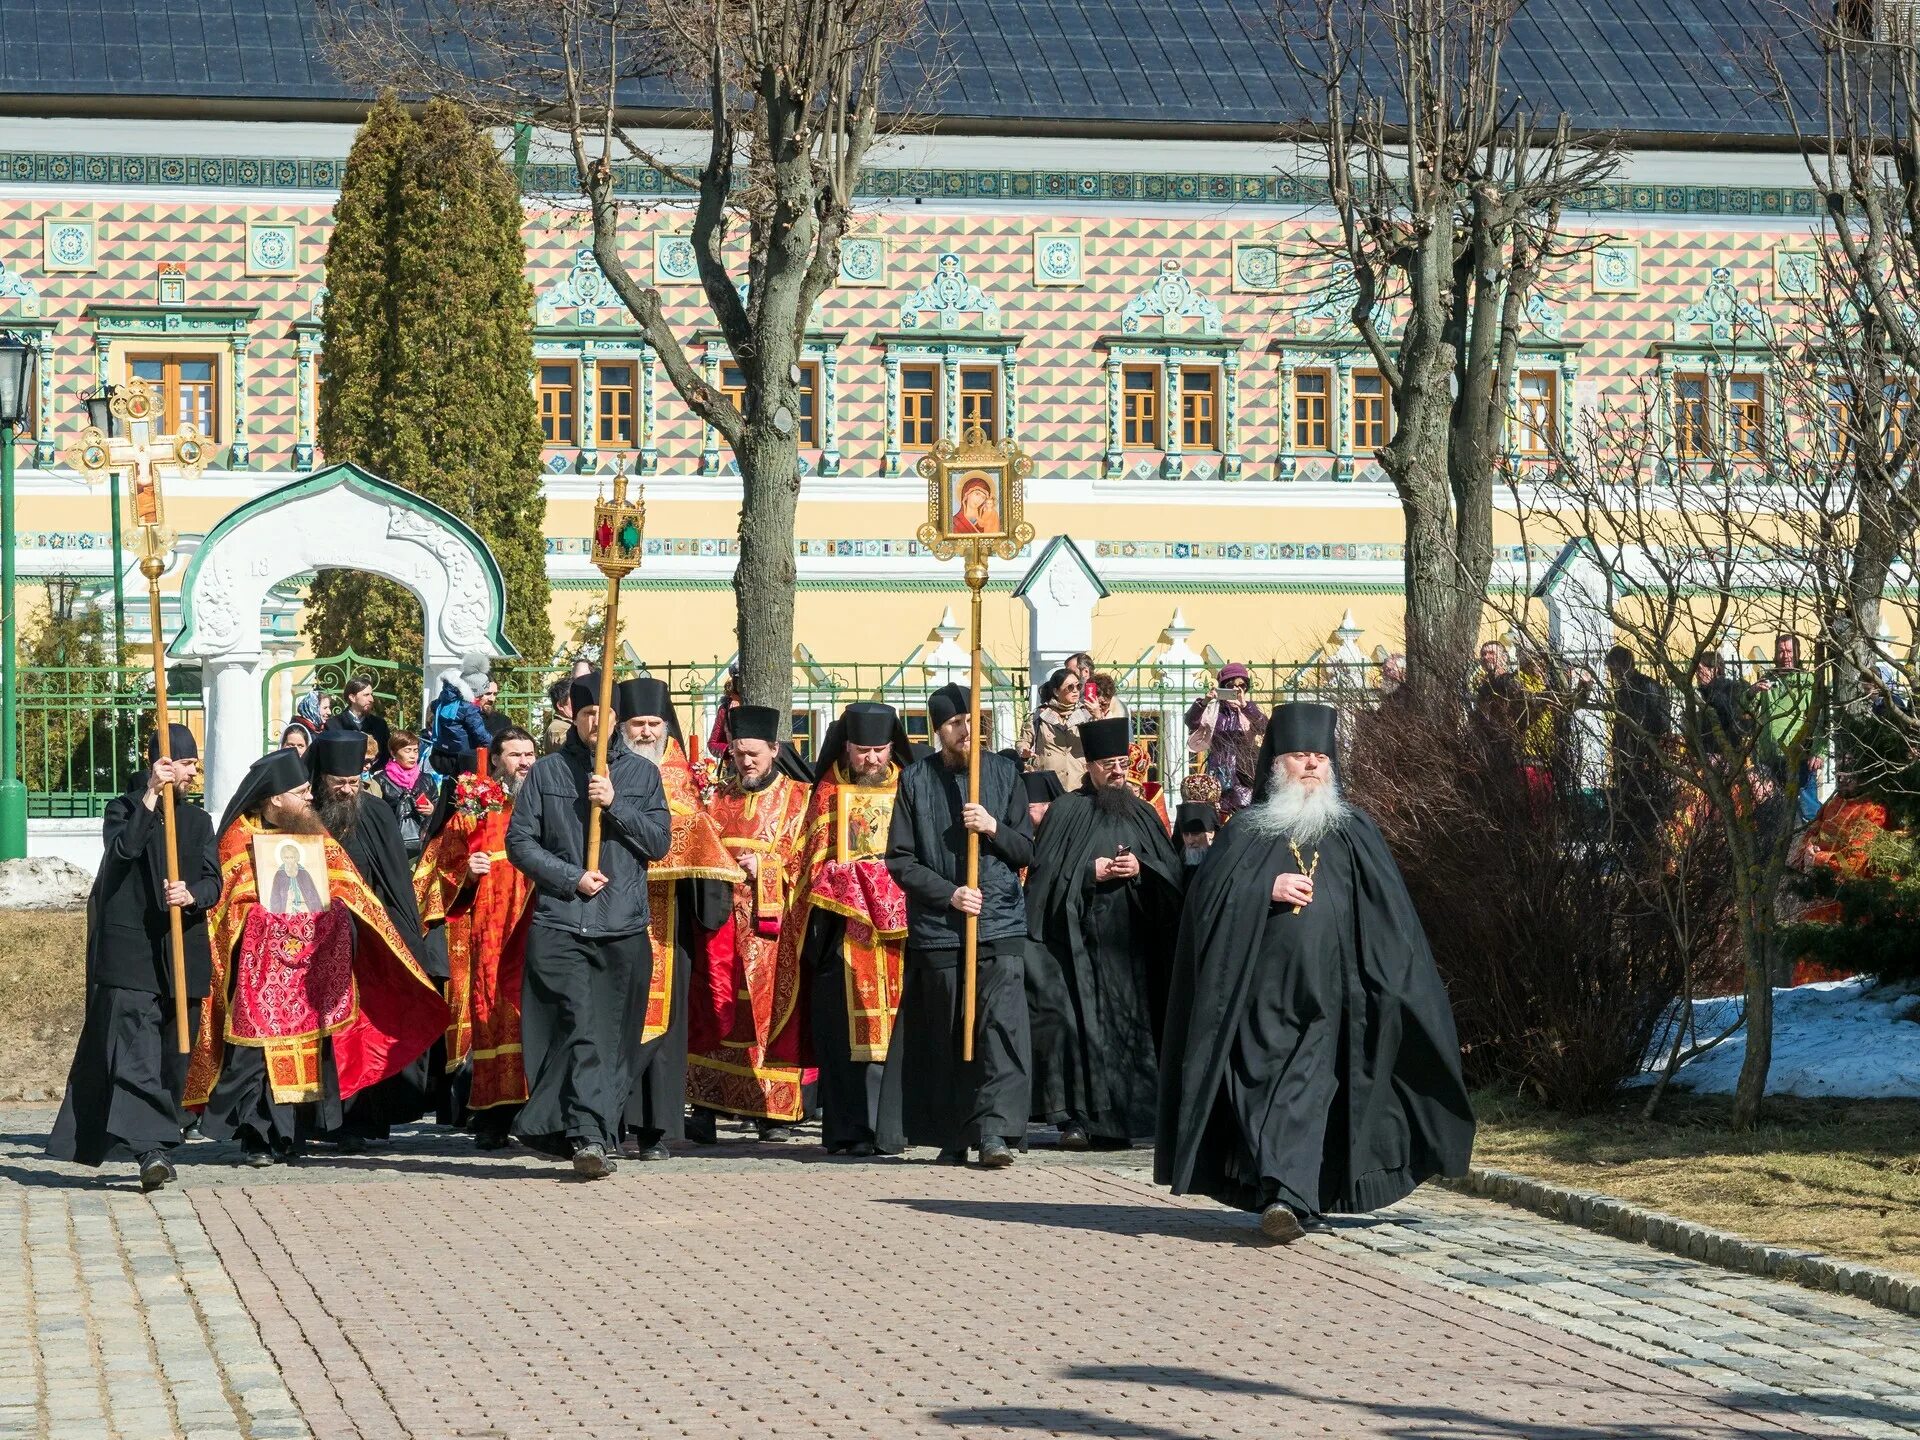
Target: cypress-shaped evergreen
(427, 348)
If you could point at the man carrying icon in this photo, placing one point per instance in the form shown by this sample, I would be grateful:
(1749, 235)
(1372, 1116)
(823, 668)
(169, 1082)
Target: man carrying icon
(1309, 1060)
(947, 1101)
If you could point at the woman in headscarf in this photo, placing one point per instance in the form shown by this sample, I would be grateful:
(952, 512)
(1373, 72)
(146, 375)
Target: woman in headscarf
(1225, 730)
(1055, 735)
(313, 712)
(296, 737)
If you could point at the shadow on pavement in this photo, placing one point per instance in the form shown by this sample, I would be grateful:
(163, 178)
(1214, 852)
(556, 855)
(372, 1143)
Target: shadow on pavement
(1221, 1227)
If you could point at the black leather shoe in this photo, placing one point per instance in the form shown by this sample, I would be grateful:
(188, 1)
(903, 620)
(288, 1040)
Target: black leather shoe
(772, 1132)
(1073, 1136)
(590, 1161)
(866, 1149)
(155, 1171)
(953, 1155)
(656, 1151)
(703, 1127)
(1280, 1224)
(994, 1153)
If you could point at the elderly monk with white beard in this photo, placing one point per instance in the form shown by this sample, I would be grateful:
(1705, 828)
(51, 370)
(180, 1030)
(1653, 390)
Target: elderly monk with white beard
(1309, 1063)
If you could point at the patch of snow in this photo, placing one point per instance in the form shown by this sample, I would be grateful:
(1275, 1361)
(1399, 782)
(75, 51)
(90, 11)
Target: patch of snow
(42, 883)
(1842, 1038)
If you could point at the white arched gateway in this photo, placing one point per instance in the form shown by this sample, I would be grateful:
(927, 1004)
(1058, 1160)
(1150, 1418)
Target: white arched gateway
(339, 518)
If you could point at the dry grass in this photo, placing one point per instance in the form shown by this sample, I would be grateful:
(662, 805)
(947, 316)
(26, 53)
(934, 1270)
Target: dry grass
(43, 961)
(1838, 1176)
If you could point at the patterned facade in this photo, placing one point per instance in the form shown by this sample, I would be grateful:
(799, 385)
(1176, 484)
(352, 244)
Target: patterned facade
(1161, 343)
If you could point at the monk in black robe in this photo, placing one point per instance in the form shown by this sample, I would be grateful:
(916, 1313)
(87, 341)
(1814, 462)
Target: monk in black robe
(1310, 1063)
(367, 829)
(1103, 907)
(123, 1092)
(946, 1101)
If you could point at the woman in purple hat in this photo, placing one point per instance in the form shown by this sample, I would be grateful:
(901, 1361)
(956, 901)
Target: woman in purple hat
(1225, 729)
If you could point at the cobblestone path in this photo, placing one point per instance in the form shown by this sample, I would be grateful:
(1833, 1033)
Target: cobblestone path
(767, 1291)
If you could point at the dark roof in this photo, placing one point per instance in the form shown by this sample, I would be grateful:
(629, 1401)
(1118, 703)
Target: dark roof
(1679, 68)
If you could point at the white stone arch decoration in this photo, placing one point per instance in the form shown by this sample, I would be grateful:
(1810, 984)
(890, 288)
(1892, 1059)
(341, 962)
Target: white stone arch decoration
(339, 518)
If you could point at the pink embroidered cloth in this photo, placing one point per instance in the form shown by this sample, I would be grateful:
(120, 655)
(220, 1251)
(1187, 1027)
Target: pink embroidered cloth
(293, 976)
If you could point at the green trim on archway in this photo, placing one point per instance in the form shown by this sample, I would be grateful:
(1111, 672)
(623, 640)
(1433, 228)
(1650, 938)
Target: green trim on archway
(364, 482)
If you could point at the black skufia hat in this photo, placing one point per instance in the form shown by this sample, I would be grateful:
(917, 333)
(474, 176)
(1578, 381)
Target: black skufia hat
(946, 702)
(1194, 816)
(754, 722)
(274, 773)
(338, 752)
(180, 744)
(1043, 787)
(644, 695)
(584, 691)
(1301, 725)
(864, 722)
(1105, 739)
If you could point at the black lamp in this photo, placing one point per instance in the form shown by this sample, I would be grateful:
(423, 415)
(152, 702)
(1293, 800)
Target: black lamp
(100, 411)
(19, 363)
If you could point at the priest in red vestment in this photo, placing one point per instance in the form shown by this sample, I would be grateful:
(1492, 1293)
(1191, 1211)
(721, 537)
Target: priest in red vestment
(746, 1019)
(688, 898)
(465, 882)
(847, 921)
(306, 1007)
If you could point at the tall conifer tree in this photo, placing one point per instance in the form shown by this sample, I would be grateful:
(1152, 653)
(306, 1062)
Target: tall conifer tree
(427, 349)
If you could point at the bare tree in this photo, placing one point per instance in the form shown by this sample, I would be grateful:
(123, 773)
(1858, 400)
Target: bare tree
(1449, 195)
(1847, 77)
(788, 93)
(1686, 540)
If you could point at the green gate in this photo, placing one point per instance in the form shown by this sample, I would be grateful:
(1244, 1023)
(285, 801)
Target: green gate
(329, 675)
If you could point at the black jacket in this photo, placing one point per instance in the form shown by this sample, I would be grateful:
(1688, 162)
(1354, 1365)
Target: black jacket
(368, 724)
(927, 851)
(1724, 719)
(547, 839)
(380, 855)
(127, 929)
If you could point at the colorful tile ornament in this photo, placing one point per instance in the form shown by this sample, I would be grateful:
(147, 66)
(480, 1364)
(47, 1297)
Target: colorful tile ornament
(272, 250)
(1796, 273)
(863, 260)
(69, 243)
(673, 261)
(1058, 260)
(1616, 269)
(1256, 269)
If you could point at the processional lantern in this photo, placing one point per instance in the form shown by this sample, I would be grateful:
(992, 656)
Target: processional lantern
(619, 529)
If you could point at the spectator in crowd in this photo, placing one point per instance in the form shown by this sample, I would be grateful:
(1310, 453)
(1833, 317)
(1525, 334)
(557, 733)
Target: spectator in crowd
(407, 787)
(1080, 666)
(720, 736)
(296, 737)
(1225, 730)
(1642, 722)
(560, 700)
(487, 697)
(1782, 704)
(1723, 719)
(1100, 698)
(313, 712)
(358, 714)
(1054, 740)
(458, 727)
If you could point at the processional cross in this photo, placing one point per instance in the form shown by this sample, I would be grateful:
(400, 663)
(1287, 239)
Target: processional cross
(145, 456)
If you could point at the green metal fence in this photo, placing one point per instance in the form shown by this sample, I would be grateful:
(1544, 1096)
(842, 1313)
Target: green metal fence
(81, 727)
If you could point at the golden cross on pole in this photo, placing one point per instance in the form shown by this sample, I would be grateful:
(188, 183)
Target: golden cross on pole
(618, 528)
(144, 456)
(976, 507)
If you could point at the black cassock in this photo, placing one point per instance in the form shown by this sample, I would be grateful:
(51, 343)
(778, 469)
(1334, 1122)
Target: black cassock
(657, 1103)
(1096, 975)
(859, 1099)
(125, 1085)
(379, 853)
(1308, 1058)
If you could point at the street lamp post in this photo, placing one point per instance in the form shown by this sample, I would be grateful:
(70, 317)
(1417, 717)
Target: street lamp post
(100, 415)
(18, 364)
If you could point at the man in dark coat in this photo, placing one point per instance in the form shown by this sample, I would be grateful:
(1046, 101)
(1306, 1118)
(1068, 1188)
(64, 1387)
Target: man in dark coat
(946, 1101)
(358, 715)
(1103, 907)
(367, 829)
(125, 1085)
(1309, 1063)
(1642, 721)
(589, 961)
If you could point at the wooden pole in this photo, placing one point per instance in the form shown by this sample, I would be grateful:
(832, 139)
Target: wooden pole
(152, 563)
(603, 732)
(976, 582)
